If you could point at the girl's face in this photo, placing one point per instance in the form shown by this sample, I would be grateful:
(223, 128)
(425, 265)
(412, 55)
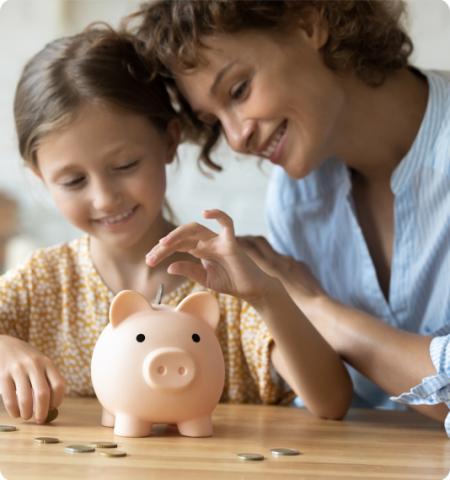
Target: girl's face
(273, 96)
(106, 173)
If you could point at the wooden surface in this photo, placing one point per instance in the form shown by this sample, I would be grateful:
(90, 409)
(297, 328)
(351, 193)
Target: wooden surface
(367, 445)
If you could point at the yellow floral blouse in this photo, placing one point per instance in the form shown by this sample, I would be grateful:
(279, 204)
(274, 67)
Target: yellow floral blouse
(58, 302)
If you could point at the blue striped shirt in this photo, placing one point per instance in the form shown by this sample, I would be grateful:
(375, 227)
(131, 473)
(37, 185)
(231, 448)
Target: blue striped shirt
(314, 220)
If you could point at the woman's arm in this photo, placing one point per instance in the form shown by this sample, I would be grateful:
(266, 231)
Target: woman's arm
(393, 359)
(301, 355)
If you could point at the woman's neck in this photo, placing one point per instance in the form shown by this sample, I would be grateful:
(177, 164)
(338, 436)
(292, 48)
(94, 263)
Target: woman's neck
(380, 124)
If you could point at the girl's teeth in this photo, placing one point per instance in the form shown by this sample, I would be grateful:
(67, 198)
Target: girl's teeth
(118, 218)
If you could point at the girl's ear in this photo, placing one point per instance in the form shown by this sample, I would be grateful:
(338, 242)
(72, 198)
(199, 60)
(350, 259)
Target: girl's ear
(173, 133)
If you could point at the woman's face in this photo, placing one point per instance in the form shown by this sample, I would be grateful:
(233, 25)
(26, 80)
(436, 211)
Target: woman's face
(273, 96)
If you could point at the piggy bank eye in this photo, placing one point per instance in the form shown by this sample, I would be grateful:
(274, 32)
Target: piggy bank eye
(140, 338)
(196, 337)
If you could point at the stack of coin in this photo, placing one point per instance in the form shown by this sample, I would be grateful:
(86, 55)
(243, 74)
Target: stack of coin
(46, 440)
(250, 457)
(284, 452)
(79, 449)
(7, 428)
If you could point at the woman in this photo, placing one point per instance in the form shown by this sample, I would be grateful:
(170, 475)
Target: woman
(361, 141)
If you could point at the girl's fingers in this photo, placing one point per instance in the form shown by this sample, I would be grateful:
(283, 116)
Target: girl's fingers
(57, 384)
(191, 270)
(41, 394)
(24, 393)
(9, 397)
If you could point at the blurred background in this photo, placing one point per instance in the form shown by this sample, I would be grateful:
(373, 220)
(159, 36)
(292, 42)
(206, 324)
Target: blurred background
(27, 217)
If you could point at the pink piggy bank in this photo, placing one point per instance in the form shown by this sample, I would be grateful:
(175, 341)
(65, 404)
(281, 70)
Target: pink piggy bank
(155, 364)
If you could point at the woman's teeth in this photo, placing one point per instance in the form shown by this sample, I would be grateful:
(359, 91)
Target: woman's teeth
(270, 150)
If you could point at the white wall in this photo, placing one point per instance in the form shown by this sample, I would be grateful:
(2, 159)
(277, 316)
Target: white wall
(26, 25)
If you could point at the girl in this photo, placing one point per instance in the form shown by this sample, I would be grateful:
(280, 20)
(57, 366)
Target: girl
(361, 143)
(98, 129)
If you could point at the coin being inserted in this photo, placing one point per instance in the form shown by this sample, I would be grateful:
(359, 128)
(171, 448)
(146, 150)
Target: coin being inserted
(46, 440)
(79, 449)
(251, 457)
(284, 452)
(7, 428)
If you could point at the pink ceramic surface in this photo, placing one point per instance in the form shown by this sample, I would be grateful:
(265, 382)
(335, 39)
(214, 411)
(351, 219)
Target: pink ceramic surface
(156, 364)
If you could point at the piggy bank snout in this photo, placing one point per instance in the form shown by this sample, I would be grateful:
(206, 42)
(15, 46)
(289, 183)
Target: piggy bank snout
(168, 369)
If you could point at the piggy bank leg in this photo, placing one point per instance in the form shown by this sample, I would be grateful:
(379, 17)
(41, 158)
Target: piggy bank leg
(197, 427)
(129, 426)
(107, 419)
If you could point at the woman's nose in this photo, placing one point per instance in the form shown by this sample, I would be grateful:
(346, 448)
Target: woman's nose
(239, 133)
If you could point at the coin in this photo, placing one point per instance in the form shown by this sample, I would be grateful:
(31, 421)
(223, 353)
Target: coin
(79, 449)
(46, 440)
(51, 415)
(112, 453)
(7, 428)
(254, 457)
(284, 452)
(103, 444)
(159, 294)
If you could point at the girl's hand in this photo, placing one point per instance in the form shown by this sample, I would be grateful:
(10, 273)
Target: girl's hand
(29, 382)
(224, 266)
(293, 274)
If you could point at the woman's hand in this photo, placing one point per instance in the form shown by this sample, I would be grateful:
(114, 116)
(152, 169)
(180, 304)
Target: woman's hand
(223, 266)
(294, 275)
(30, 384)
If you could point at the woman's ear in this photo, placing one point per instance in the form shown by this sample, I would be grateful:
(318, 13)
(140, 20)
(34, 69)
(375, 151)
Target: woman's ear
(315, 27)
(173, 133)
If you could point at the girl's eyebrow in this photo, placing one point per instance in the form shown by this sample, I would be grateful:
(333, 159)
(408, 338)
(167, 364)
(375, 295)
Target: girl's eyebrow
(219, 77)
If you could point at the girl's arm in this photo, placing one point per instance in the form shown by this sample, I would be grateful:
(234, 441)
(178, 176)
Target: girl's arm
(301, 355)
(393, 359)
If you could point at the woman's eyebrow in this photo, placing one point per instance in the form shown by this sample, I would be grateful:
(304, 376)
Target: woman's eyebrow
(219, 77)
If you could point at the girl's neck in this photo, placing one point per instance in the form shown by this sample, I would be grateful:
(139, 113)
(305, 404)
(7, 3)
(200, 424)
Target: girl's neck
(124, 268)
(381, 123)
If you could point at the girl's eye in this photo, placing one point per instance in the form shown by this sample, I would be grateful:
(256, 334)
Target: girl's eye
(128, 166)
(76, 182)
(239, 90)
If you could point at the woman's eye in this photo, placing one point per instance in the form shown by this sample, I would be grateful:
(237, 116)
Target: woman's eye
(239, 90)
(128, 166)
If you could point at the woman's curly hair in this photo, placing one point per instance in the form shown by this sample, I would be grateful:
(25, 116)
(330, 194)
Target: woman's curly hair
(365, 36)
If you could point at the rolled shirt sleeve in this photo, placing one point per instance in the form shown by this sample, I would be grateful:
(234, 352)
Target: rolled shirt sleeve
(435, 388)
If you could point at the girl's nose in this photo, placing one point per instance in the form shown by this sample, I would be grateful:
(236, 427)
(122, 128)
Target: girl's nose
(239, 133)
(104, 196)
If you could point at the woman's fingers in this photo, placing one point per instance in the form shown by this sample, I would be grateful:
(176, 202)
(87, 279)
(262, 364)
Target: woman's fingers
(222, 218)
(9, 397)
(182, 239)
(24, 393)
(192, 270)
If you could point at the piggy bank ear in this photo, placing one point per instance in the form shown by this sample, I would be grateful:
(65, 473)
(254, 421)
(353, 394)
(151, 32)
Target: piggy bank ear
(202, 305)
(124, 304)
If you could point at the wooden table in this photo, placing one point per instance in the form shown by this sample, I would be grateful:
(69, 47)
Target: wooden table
(367, 445)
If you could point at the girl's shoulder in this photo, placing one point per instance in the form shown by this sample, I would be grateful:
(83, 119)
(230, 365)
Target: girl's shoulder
(54, 260)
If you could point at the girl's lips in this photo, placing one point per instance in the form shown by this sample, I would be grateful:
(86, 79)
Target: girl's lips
(117, 221)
